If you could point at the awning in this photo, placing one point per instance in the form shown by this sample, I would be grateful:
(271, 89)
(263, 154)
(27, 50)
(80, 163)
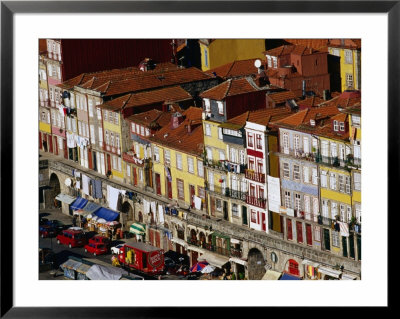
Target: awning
(195, 248)
(83, 268)
(348, 277)
(65, 198)
(238, 261)
(71, 264)
(329, 272)
(137, 229)
(272, 275)
(79, 203)
(179, 241)
(108, 214)
(91, 207)
(286, 276)
(310, 263)
(214, 259)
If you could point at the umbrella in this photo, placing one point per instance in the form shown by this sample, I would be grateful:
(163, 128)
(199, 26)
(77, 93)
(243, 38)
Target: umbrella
(198, 266)
(113, 223)
(101, 221)
(207, 269)
(89, 216)
(79, 212)
(94, 218)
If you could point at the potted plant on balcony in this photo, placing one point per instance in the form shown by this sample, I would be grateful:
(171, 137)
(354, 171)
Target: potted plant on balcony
(352, 222)
(336, 161)
(349, 159)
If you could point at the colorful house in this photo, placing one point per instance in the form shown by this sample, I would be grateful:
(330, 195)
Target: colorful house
(349, 52)
(217, 52)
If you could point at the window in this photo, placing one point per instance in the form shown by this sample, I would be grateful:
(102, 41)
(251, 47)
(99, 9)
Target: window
(73, 125)
(299, 228)
(80, 128)
(285, 142)
(335, 239)
(324, 148)
(207, 105)
(178, 161)
(156, 154)
(296, 172)
(258, 142)
(200, 168)
(180, 189)
(100, 137)
(105, 115)
(317, 233)
(206, 57)
(98, 113)
(349, 214)
(349, 80)
(332, 181)
(314, 176)
(208, 129)
(286, 171)
(335, 126)
(69, 126)
(141, 129)
(288, 203)
(190, 165)
(289, 229)
(137, 129)
(147, 132)
(220, 133)
(342, 209)
(242, 156)
(306, 174)
(347, 178)
(324, 179)
(334, 210)
(297, 202)
(356, 120)
(209, 153)
(307, 208)
(358, 212)
(341, 183)
(306, 145)
(111, 138)
(357, 181)
(253, 216)
(117, 141)
(218, 204)
(235, 210)
(221, 155)
(92, 137)
(250, 140)
(220, 108)
(275, 62)
(211, 180)
(348, 54)
(201, 192)
(297, 143)
(114, 162)
(333, 150)
(167, 157)
(269, 61)
(341, 126)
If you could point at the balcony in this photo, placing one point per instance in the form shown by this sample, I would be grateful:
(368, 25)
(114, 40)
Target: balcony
(254, 201)
(226, 191)
(254, 176)
(236, 252)
(226, 166)
(131, 158)
(298, 153)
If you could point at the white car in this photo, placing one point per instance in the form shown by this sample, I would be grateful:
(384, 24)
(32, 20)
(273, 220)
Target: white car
(115, 249)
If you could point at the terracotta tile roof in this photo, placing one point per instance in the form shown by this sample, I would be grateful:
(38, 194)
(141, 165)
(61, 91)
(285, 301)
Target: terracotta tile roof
(281, 97)
(157, 117)
(290, 49)
(235, 69)
(310, 101)
(169, 94)
(263, 117)
(144, 82)
(179, 138)
(345, 43)
(230, 87)
(317, 44)
(346, 99)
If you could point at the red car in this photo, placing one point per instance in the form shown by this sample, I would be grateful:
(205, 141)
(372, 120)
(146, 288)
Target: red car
(96, 248)
(98, 239)
(46, 231)
(72, 238)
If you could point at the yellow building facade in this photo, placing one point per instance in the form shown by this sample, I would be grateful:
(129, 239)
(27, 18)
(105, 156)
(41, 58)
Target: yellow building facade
(218, 52)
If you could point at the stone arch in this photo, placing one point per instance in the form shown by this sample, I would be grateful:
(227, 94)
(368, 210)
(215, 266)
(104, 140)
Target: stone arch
(255, 264)
(193, 236)
(202, 239)
(54, 183)
(128, 210)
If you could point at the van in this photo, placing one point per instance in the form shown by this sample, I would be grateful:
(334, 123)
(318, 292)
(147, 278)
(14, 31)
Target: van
(98, 239)
(72, 238)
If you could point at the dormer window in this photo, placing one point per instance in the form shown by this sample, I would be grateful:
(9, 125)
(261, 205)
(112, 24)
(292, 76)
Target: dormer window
(335, 126)
(207, 105)
(341, 126)
(269, 61)
(275, 59)
(220, 108)
(312, 122)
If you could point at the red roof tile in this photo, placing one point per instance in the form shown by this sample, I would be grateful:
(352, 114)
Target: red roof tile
(169, 94)
(281, 97)
(230, 87)
(235, 69)
(179, 138)
(290, 49)
(157, 117)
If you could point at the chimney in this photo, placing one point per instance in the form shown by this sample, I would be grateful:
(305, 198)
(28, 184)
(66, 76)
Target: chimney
(304, 88)
(189, 127)
(176, 119)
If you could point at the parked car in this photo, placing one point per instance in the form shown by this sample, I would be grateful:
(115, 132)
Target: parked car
(43, 221)
(115, 249)
(57, 225)
(96, 248)
(72, 238)
(46, 231)
(100, 240)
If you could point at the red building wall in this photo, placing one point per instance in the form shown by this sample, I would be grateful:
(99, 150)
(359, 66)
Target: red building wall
(238, 104)
(90, 55)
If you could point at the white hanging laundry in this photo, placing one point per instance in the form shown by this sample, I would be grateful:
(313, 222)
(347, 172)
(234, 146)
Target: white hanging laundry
(197, 202)
(85, 184)
(153, 207)
(161, 214)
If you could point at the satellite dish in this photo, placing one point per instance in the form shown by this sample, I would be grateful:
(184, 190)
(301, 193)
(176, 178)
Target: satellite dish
(257, 63)
(68, 182)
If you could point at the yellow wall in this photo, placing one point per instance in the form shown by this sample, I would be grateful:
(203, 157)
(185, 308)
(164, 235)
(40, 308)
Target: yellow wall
(347, 68)
(356, 197)
(223, 51)
(273, 159)
(113, 127)
(44, 127)
(335, 195)
(183, 174)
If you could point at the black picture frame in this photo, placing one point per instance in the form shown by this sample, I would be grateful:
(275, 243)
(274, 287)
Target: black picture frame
(9, 8)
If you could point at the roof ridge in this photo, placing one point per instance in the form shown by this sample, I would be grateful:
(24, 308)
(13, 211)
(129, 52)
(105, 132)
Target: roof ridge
(228, 88)
(232, 63)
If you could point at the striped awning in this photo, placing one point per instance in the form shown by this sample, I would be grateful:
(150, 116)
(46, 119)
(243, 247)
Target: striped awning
(138, 229)
(79, 203)
(65, 198)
